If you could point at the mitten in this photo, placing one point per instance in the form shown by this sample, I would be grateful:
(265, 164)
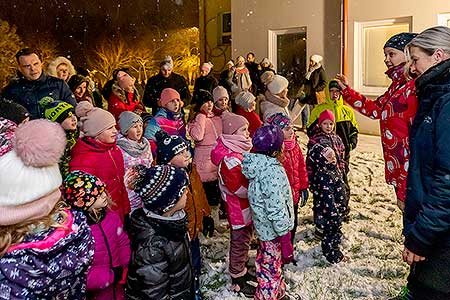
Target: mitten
(303, 197)
(287, 250)
(208, 226)
(118, 272)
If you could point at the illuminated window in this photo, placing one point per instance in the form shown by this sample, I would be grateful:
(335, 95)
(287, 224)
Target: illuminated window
(370, 38)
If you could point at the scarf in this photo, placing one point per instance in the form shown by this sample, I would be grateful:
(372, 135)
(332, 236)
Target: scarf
(236, 143)
(289, 144)
(133, 148)
(277, 100)
(312, 69)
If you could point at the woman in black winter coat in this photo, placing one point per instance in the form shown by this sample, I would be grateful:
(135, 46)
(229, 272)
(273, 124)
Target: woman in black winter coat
(206, 81)
(427, 205)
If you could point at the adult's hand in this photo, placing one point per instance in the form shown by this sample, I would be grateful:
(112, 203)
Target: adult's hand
(410, 257)
(342, 80)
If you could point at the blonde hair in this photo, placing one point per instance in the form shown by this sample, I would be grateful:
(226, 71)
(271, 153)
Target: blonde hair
(430, 40)
(14, 234)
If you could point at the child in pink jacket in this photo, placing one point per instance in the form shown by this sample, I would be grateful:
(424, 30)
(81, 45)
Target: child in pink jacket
(106, 277)
(227, 155)
(204, 130)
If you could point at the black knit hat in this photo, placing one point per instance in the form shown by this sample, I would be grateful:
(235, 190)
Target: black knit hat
(13, 111)
(399, 41)
(76, 80)
(168, 146)
(160, 187)
(202, 96)
(123, 69)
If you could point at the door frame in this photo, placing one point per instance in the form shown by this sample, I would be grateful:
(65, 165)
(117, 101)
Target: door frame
(272, 41)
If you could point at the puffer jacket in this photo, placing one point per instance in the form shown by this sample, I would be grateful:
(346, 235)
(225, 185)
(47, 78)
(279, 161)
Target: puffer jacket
(269, 195)
(346, 126)
(106, 162)
(29, 93)
(272, 104)
(233, 185)
(316, 164)
(395, 109)
(120, 101)
(197, 205)
(295, 167)
(112, 249)
(50, 264)
(427, 206)
(254, 121)
(160, 266)
(205, 130)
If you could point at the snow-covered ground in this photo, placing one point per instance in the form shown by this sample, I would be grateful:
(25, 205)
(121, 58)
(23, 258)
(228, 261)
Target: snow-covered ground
(372, 240)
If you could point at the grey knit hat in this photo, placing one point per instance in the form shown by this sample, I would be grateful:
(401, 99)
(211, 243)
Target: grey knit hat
(126, 120)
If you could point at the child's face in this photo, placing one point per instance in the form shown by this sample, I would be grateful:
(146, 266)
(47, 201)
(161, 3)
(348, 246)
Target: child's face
(243, 131)
(173, 105)
(108, 136)
(252, 106)
(288, 132)
(284, 93)
(393, 57)
(222, 103)
(70, 123)
(207, 107)
(135, 132)
(335, 93)
(327, 126)
(181, 160)
(101, 201)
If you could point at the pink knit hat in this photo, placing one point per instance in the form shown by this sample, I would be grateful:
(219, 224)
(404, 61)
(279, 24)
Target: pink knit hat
(232, 122)
(167, 95)
(219, 92)
(207, 66)
(326, 115)
(93, 120)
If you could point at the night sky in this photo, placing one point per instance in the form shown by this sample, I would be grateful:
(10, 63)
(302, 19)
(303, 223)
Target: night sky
(77, 26)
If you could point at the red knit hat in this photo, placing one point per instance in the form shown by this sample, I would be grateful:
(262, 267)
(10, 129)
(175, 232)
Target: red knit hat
(326, 115)
(167, 95)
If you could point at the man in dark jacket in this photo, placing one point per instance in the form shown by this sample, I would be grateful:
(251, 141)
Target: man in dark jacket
(252, 67)
(166, 78)
(32, 84)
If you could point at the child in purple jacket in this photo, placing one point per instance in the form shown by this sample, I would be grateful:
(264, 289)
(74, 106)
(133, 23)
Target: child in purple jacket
(107, 274)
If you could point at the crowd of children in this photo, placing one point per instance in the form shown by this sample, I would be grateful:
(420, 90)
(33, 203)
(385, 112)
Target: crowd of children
(111, 204)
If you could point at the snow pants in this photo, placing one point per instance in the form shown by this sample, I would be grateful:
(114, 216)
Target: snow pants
(239, 247)
(269, 272)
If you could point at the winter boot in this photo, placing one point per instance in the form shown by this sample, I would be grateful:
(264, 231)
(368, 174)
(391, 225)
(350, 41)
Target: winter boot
(242, 286)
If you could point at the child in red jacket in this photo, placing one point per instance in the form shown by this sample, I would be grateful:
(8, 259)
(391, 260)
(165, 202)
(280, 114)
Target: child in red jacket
(105, 279)
(97, 153)
(294, 165)
(246, 105)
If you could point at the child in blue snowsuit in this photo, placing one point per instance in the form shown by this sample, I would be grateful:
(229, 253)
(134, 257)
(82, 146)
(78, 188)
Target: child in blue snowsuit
(325, 165)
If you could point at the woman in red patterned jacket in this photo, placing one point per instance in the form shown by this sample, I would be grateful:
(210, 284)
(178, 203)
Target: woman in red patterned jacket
(395, 109)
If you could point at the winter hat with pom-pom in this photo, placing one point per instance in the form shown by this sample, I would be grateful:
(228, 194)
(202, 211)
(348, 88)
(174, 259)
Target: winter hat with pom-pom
(56, 111)
(232, 122)
(93, 120)
(29, 172)
(168, 146)
(13, 111)
(245, 99)
(268, 140)
(7, 128)
(275, 83)
(160, 187)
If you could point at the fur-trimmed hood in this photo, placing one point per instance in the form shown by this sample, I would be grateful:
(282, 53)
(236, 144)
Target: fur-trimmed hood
(51, 69)
(120, 93)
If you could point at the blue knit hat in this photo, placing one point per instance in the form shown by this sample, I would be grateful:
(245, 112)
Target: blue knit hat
(160, 187)
(399, 41)
(168, 146)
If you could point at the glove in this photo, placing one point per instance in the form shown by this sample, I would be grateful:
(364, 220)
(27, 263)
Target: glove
(303, 197)
(208, 226)
(287, 250)
(118, 272)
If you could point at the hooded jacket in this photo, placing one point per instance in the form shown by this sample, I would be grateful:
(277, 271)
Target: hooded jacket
(395, 109)
(427, 206)
(50, 264)
(120, 101)
(269, 195)
(346, 126)
(160, 266)
(295, 167)
(106, 162)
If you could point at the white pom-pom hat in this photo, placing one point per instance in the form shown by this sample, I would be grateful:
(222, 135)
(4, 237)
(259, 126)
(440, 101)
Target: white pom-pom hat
(30, 170)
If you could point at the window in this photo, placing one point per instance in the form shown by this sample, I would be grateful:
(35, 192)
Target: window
(224, 28)
(444, 19)
(369, 67)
